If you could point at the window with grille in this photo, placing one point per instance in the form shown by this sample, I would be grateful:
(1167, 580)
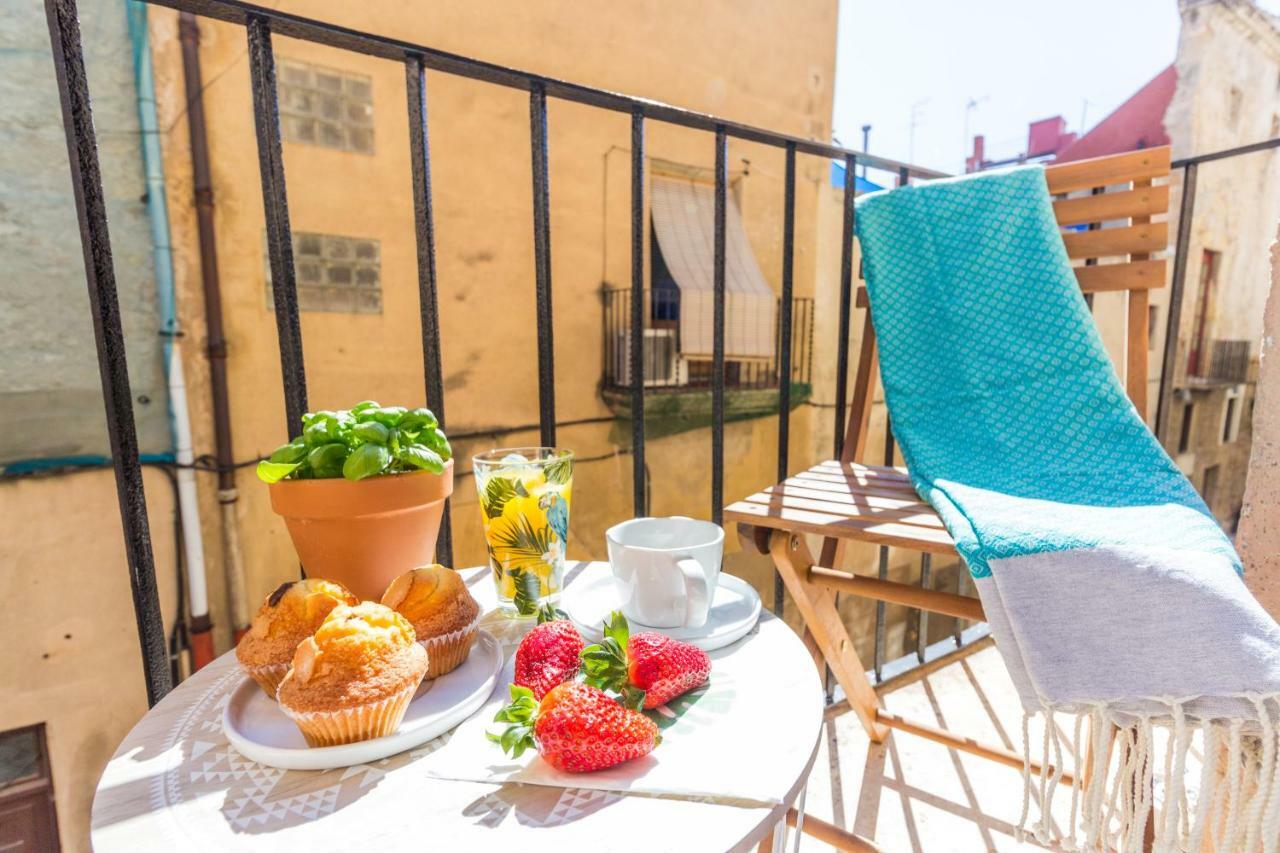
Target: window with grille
(335, 273)
(322, 106)
(1209, 486)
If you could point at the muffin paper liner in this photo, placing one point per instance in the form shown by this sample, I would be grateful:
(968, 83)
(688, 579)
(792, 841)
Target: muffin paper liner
(348, 725)
(268, 677)
(446, 652)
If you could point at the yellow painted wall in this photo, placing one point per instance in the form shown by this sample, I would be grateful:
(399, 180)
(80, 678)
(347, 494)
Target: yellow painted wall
(71, 658)
(724, 58)
(758, 62)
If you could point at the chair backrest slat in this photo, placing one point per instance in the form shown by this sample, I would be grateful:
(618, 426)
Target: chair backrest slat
(1118, 205)
(1147, 163)
(1115, 246)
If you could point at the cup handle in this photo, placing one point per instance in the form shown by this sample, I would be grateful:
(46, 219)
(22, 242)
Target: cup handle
(695, 592)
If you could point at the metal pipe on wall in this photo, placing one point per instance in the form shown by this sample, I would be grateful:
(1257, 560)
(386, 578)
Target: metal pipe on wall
(216, 344)
(197, 598)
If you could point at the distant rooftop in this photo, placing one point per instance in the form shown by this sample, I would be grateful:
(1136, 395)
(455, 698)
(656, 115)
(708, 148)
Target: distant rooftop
(1137, 123)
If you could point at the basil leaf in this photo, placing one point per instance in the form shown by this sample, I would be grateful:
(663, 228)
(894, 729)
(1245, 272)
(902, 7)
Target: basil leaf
(274, 472)
(421, 457)
(366, 460)
(435, 439)
(367, 404)
(294, 451)
(371, 431)
(323, 429)
(418, 419)
(386, 415)
(326, 460)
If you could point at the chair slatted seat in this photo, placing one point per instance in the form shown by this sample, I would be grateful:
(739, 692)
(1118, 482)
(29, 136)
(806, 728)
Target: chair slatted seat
(1107, 207)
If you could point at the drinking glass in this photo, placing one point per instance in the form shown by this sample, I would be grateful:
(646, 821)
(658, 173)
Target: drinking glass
(524, 504)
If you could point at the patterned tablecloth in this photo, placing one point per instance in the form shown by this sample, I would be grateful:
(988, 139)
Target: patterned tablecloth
(175, 783)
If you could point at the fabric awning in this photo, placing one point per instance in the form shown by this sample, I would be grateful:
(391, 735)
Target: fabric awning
(684, 222)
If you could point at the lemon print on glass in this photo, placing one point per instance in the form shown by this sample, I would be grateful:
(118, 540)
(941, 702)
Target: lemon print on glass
(524, 505)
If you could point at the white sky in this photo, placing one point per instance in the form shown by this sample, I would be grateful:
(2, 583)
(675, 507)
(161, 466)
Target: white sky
(1022, 59)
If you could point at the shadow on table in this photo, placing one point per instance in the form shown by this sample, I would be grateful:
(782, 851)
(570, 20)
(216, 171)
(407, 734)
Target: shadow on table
(537, 806)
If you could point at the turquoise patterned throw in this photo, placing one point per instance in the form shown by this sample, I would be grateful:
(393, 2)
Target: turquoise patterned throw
(1110, 589)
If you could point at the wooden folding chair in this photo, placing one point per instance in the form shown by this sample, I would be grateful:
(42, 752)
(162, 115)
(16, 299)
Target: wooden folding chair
(1108, 204)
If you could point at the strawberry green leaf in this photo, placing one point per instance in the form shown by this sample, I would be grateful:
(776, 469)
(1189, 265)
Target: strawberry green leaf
(604, 665)
(550, 613)
(519, 716)
(631, 697)
(616, 627)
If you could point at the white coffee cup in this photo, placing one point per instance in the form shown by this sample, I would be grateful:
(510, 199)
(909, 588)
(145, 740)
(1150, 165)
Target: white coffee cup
(666, 569)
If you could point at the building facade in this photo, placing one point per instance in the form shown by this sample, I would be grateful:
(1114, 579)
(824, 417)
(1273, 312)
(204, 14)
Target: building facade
(1228, 94)
(345, 132)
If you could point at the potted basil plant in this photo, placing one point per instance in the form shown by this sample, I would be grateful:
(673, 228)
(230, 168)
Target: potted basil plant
(362, 492)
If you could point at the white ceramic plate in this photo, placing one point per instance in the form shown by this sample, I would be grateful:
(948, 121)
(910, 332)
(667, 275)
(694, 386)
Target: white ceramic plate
(734, 611)
(260, 731)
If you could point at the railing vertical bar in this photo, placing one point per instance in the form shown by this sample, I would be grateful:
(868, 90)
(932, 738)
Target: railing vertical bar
(428, 291)
(808, 370)
(1177, 289)
(542, 261)
(882, 572)
(883, 568)
(846, 302)
(113, 370)
(637, 313)
(717, 347)
(275, 204)
(922, 630)
(784, 345)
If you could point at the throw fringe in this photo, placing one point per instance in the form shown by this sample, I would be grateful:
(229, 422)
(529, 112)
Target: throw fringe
(1117, 792)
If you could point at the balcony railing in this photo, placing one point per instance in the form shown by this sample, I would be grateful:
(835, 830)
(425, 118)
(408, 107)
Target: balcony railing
(666, 365)
(261, 24)
(1228, 362)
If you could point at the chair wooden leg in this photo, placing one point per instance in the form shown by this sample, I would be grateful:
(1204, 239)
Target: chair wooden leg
(817, 605)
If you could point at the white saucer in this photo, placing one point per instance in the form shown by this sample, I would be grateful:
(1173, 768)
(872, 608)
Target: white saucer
(734, 611)
(260, 731)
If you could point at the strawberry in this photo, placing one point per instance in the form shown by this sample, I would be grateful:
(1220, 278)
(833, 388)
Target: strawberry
(648, 669)
(576, 728)
(549, 654)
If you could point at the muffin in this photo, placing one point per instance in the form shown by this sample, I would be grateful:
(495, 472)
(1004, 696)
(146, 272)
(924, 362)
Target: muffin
(444, 615)
(288, 616)
(353, 679)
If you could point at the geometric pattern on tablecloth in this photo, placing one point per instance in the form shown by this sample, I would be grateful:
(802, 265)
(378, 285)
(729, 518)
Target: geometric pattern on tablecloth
(253, 800)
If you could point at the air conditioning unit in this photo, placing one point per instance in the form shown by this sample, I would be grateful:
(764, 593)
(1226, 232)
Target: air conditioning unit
(662, 362)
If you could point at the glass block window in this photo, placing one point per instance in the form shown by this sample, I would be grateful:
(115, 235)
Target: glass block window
(321, 106)
(335, 273)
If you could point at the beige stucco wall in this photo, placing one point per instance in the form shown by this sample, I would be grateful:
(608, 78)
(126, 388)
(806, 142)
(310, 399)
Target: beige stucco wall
(721, 57)
(71, 658)
(1259, 539)
(1226, 47)
(479, 139)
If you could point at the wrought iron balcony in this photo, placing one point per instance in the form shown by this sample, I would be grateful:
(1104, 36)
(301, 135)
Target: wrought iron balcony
(670, 365)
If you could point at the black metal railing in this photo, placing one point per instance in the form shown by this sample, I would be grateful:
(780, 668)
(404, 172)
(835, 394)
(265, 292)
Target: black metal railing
(261, 25)
(1229, 361)
(1190, 167)
(665, 364)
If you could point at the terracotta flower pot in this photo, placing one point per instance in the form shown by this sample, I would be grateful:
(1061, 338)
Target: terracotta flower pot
(364, 533)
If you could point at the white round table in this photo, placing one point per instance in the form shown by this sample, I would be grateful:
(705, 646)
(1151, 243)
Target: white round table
(176, 784)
